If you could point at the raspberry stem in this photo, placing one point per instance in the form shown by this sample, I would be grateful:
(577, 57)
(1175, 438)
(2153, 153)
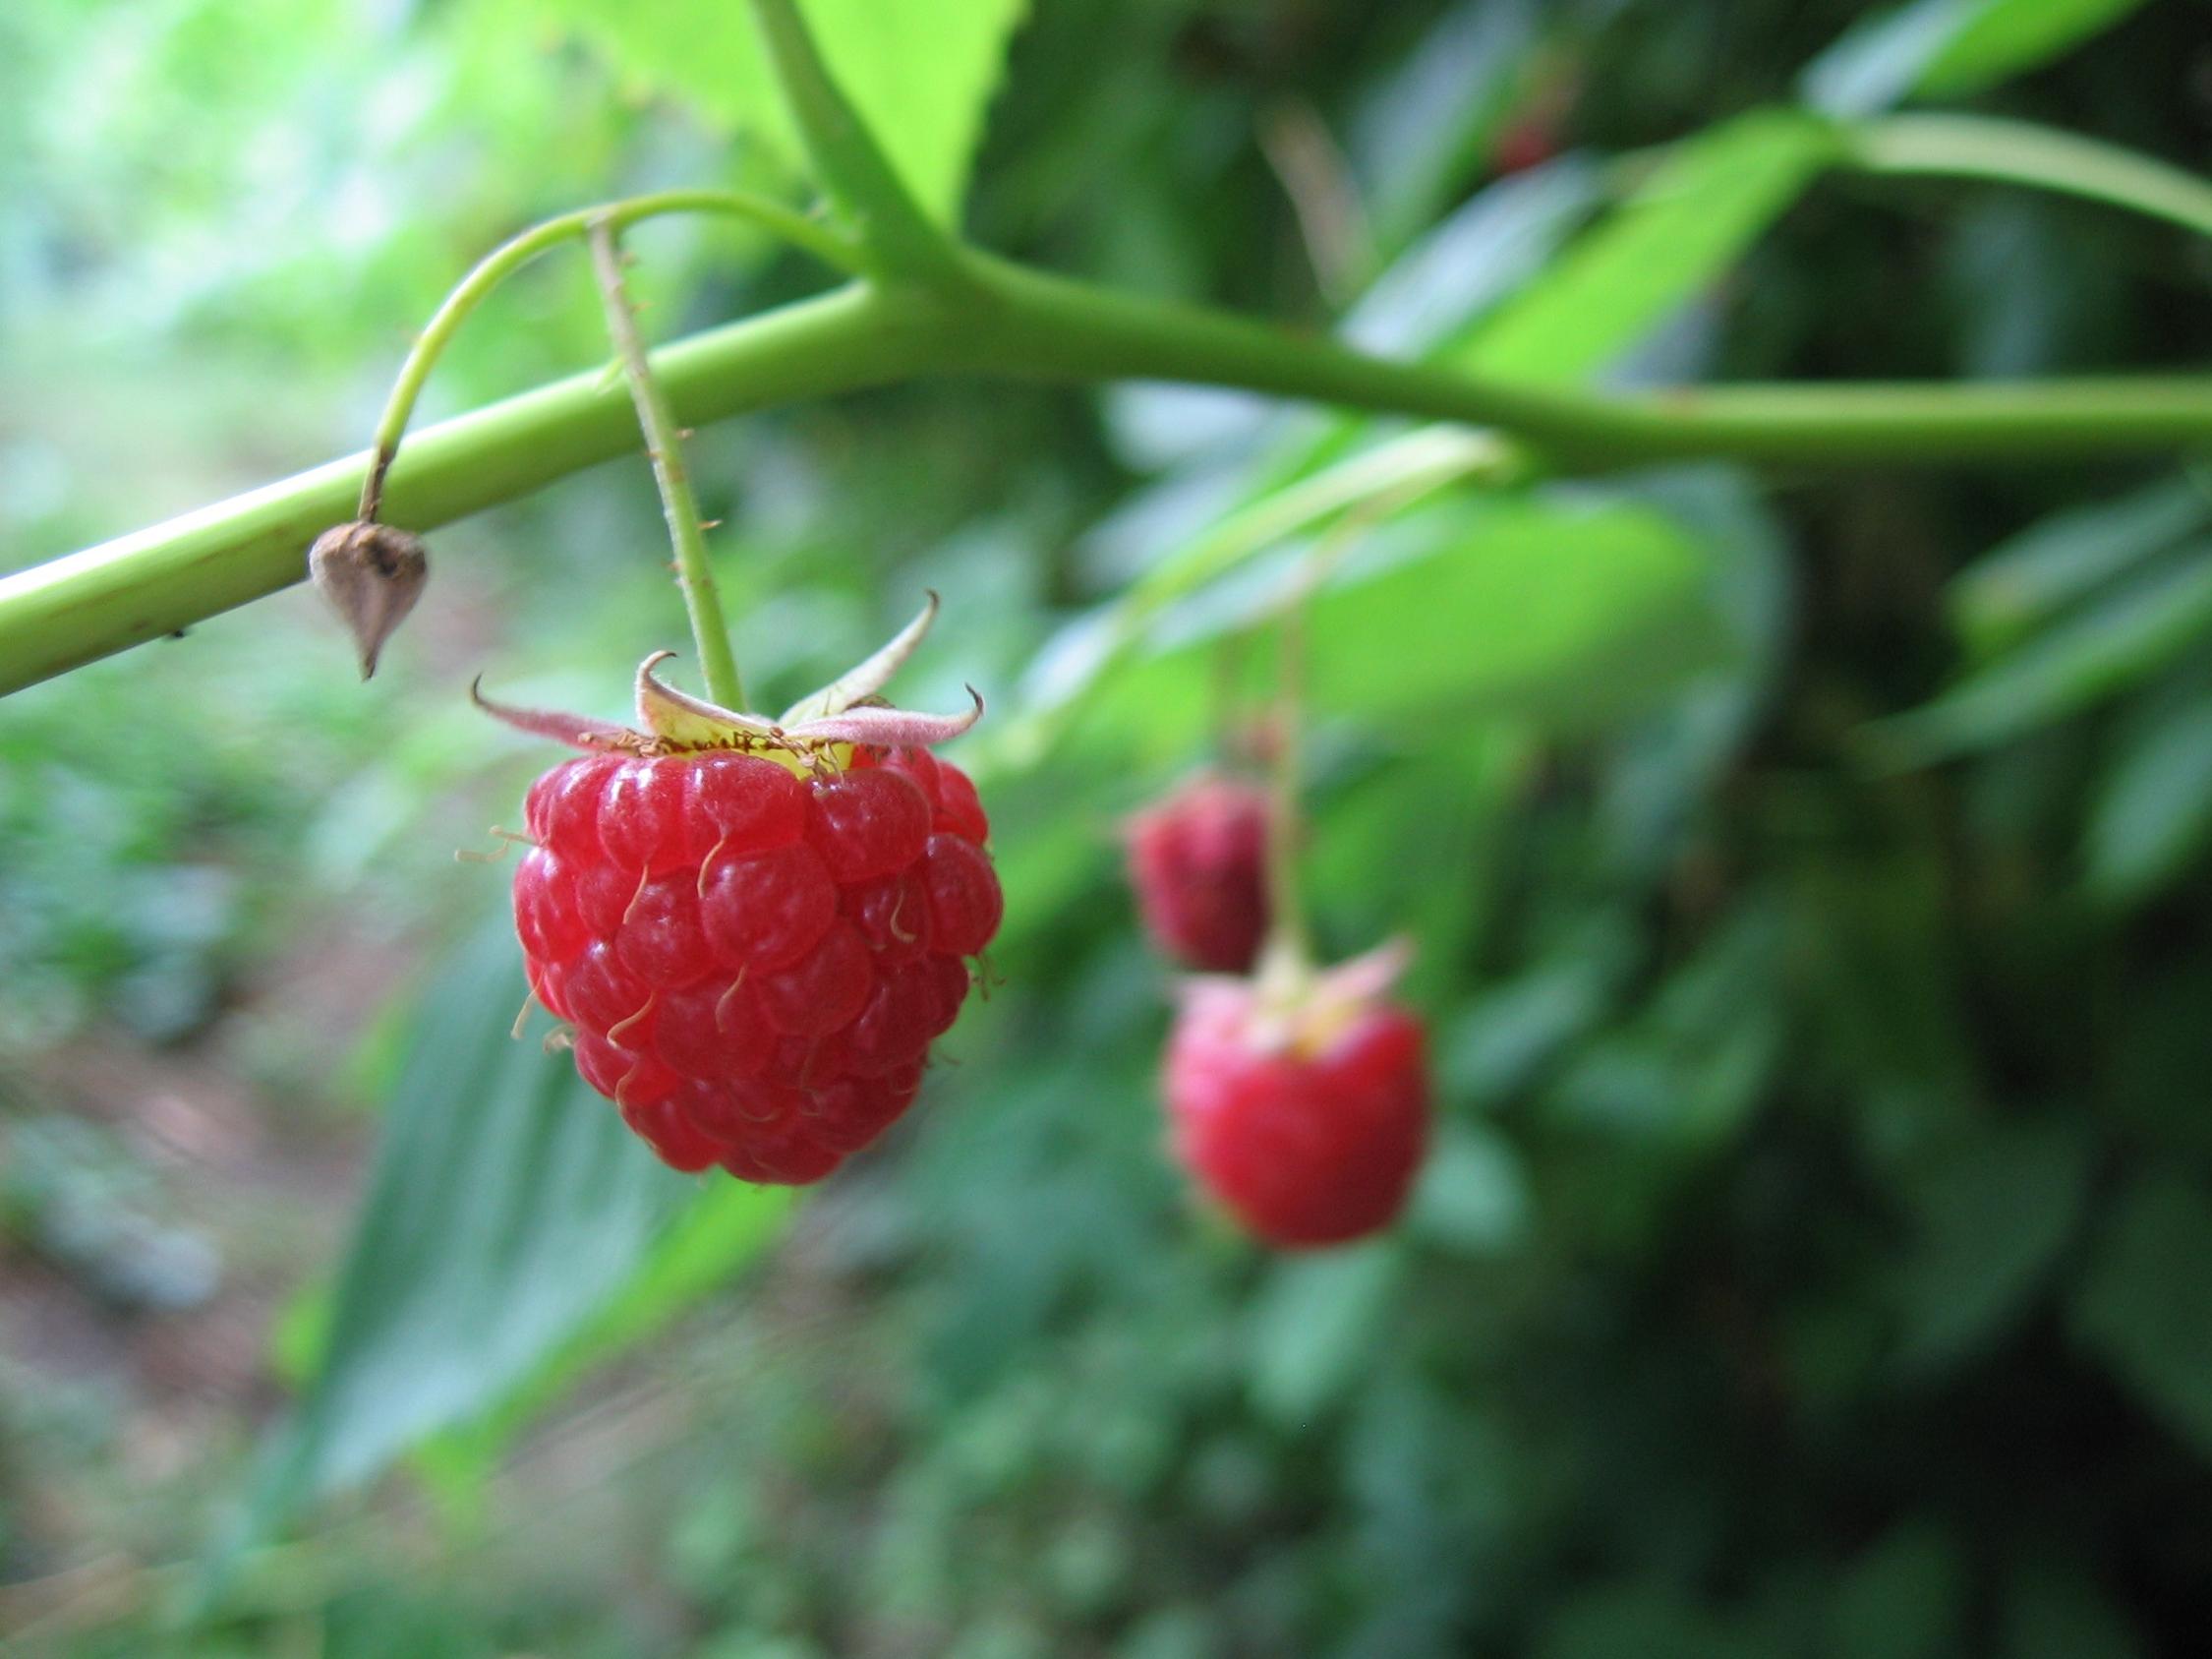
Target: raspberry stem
(1287, 960)
(663, 443)
(519, 250)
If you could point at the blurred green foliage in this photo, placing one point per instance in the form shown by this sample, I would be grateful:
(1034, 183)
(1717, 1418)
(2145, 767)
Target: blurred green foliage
(1810, 877)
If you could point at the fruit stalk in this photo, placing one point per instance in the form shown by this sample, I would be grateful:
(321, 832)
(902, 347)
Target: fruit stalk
(1286, 961)
(518, 251)
(664, 444)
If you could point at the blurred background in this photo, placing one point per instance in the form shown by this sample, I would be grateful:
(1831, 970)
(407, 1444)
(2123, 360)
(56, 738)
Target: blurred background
(1809, 874)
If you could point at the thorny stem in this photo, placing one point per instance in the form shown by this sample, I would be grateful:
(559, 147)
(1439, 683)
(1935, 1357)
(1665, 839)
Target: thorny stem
(663, 443)
(518, 251)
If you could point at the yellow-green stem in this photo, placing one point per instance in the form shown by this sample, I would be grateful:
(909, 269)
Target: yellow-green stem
(663, 443)
(518, 251)
(1287, 962)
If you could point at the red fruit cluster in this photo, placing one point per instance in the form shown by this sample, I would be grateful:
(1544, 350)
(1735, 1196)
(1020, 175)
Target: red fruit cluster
(1198, 861)
(755, 963)
(1308, 1131)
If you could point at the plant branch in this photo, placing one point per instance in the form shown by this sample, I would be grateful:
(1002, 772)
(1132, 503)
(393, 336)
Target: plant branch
(2040, 157)
(1047, 328)
(1007, 321)
(860, 178)
(663, 443)
(156, 581)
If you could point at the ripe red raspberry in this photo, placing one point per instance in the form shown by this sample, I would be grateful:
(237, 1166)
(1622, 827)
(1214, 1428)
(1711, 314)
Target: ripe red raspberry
(1198, 861)
(1307, 1116)
(755, 964)
(756, 929)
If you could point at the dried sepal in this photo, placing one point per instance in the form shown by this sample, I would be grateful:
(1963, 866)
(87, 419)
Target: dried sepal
(577, 731)
(685, 721)
(820, 730)
(868, 678)
(1301, 1010)
(1369, 976)
(888, 728)
(372, 574)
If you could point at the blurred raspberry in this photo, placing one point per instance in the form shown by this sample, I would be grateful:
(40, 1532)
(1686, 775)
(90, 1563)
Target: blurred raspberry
(1198, 861)
(1307, 1117)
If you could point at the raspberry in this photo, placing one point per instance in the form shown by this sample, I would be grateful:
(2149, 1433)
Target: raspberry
(756, 927)
(1307, 1119)
(1198, 861)
(755, 963)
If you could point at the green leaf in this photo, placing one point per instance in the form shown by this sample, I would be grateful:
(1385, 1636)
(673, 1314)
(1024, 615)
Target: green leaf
(725, 1228)
(1473, 1196)
(920, 72)
(1567, 609)
(2142, 1305)
(1416, 130)
(1571, 616)
(1641, 1620)
(1995, 1211)
(1315, 1329)
(1999, 38)
(2035, 576)
(508, 1209)
(1705, 203)
(2052, 1610)
(2152, 810)
(1947, 48)
(2096, 651)
(1904, 1598)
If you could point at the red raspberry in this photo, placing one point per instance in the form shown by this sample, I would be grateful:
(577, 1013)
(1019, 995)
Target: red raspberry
(1308, 1121)
(1198, 861)
(755, 963)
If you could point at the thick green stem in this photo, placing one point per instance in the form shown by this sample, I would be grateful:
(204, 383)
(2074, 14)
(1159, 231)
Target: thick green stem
(663, 443)
(2040, 158)
(518, 251)
(1048, 327)
(156, 581)
(1006, 321)
(851, 164)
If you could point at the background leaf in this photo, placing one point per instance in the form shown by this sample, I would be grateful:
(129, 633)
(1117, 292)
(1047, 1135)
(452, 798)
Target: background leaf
(1700, 208)
(2153, 810)
(2097, 650)
(2141, 1309)
(1568, 608)
(921, 72)
(507, 1209)
(1994, 1212)
(2034, 577)
(1947, 48)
